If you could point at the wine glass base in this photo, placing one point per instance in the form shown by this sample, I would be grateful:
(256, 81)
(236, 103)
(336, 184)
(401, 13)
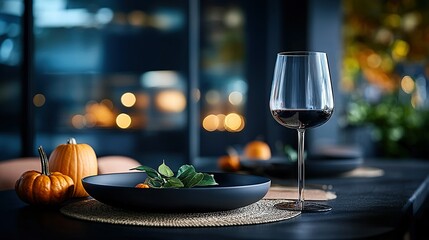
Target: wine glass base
(303, 207)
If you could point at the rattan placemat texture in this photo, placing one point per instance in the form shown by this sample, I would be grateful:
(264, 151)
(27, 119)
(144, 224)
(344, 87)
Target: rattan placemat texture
(262, 211)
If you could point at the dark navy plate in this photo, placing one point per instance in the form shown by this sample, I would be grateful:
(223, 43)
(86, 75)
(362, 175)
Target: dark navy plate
(234, 191)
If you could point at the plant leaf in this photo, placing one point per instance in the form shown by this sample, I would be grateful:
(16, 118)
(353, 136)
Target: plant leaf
(165, 170)
(195, 180)
(173, 182)
(154, 183)
(152, 173)
(185, 171)
(186, 177)
(208, 180)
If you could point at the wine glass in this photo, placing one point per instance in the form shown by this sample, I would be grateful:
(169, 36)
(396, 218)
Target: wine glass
(301, 98)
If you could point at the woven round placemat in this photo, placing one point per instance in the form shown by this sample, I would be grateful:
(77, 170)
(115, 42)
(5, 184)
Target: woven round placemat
(262, 211)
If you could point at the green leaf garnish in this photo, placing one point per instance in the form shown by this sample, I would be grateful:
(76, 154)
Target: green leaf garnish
(173, 182)
(165, 170)
(186, 177)
(154, 182)
(152, 173)
(208, 180)
(185, 170)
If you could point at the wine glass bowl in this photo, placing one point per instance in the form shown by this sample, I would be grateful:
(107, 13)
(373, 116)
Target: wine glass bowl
(301, 98)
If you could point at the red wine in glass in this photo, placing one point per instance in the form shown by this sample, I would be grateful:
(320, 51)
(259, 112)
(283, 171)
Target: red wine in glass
(301, 118)
(301, 98)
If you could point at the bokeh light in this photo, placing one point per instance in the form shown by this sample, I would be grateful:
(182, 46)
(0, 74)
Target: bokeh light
(234, 122)
(407, 84)
(400, 50)
(137, 18)
(123, 120)
(172, 101)
(39, 100)
(221, 120)
(128, 99)
(99, 114)
(374, 60)
(211, 123)
(393, 20)
(196, 94)
(235, 98)
(78, 121)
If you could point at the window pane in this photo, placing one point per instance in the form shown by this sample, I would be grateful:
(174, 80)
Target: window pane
(108, 74)
(223, 82)
(10, 81)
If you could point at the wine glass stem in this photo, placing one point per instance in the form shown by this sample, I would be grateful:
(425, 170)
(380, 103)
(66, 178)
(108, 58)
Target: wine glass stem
(301, 168)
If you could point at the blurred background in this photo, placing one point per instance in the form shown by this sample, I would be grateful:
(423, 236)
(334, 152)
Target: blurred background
(185, 79)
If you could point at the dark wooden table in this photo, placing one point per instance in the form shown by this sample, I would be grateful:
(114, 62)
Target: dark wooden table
(387, 207)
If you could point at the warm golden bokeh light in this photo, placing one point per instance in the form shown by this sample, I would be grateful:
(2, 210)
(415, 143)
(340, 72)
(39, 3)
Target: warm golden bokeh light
(234, 122)
(99, 114)
(123, 120)
(128, 99)
(221, 120)
(407, 84)
(39, 100)
(374, 60)
(90, 120)
(172, 101)
(78, 121)
(211, 123)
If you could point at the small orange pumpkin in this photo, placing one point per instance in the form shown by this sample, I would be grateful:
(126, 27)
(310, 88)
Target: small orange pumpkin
(44, 188)
(257, 149)
(75, 160)
(230, 162)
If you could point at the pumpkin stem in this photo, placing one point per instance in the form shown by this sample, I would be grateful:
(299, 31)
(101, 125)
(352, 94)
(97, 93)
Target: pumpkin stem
(71, 141)
(44, 161)
(232, 151)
